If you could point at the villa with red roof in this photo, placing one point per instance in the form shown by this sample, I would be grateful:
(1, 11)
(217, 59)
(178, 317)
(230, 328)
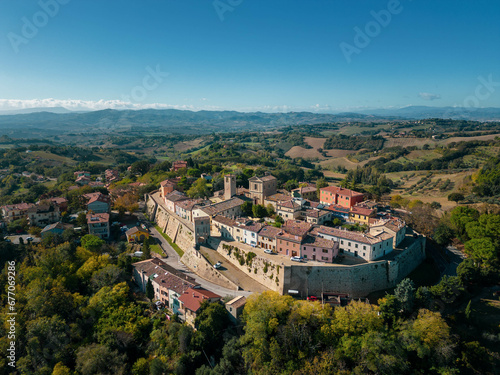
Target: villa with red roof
(191, 301)
(343, 197)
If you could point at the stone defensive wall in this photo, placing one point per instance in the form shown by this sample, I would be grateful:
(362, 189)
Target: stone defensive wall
(262, 269)
(179, 230)
(356, 280)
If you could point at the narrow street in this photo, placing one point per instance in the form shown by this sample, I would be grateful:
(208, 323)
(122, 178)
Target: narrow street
(174, 260)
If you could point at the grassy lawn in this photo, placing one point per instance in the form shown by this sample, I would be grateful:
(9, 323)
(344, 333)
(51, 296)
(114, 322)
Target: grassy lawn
(177, 249)
(157, 249)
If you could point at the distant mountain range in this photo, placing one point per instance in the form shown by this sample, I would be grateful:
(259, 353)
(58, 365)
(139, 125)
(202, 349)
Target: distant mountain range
(455, 113)
(60, 120)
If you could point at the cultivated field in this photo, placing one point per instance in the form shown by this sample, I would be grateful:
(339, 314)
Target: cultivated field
(184, 146)
(306, 153)
(315, 142)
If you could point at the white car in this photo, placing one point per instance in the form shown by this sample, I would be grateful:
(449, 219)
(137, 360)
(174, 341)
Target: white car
(297, 259)
(268, 251)
(217, 265)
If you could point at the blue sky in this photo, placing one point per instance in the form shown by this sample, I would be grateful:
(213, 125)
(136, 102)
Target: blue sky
(249, 54)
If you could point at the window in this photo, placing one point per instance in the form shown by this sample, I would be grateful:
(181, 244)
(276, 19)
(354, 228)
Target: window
(364, 247)
(342, 242)
(349, 244)
(304, 247)
(325, 250)
(356, 246)
(305, 256)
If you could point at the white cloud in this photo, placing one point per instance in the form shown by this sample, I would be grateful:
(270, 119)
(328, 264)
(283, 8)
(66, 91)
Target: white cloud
(429, 96)
(85, 105)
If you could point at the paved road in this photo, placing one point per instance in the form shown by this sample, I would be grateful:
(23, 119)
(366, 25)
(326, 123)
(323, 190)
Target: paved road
(174, 260)
(231, 272)
(15, 239)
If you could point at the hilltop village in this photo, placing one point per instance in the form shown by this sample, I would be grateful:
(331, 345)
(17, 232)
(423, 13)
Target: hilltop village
(269, 234)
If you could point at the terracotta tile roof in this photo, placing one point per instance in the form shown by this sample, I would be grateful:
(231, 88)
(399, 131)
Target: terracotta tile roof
(176, 196)
(269, 231)
(337, 208)
(170, 181)
(18, 207)
(346, 234)
(167, 276)
(98, 197)
(319, 242)
(288, 204)
(305, 189)
(224, 220)
(135, 230)
(58, 200)
(217, 208)
(278, 197)
(97, 218)
(188, 204)
(249, 225)
(296, 227)
(383, 235)
(263, 178)
(193, 297)
(362, 211)
(316, 213)
(341, 191)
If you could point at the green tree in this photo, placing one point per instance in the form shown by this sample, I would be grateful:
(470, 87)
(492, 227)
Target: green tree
(246, 207)
(456, 197)
(468, 310)
(259, 211)
(211, 322)
(140, 167)
(389, 309)
(482, 250)
(291, 184)
(92, 243)
(199, 189)
(405, 294)
(150, 290)
(99, 359)
(443, 235)
(146, 249)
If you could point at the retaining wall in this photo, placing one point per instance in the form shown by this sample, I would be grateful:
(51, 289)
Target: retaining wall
(356, 280)
(273, 277)
(200, 265)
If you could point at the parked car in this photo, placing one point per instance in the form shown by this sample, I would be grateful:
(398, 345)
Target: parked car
(297, 259)
(312, 298)
(217, 265)
(269, 251)
(29, 238)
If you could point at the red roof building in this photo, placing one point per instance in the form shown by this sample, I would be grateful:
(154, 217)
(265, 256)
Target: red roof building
(191, 301)
(340, 196)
